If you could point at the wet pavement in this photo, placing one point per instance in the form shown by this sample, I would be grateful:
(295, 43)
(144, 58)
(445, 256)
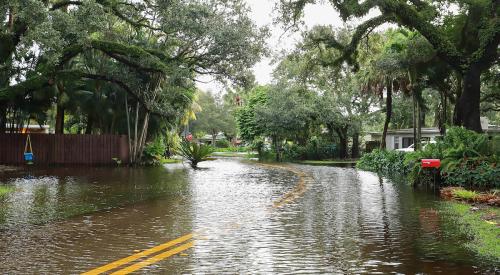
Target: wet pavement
(245, 217)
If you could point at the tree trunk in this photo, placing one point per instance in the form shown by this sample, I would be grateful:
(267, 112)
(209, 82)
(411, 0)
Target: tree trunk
(214, 137)
(467, 109)
(90, 123)
(418, 145)
(443, 114)
(342, 133)
(417, 117)
(59, 120)
(128, 131)
(277, 148)
(355, 145)
(388, 113)
(59, 110)
(3, 117)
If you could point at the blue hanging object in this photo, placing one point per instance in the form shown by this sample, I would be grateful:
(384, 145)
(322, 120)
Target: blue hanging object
(28, 155)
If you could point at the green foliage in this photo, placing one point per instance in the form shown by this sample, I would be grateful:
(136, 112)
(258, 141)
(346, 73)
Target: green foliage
(463, 194)
(153, 152)
(473, 173)
(482, 234)
(215, 116)
(223, 143)
(194, 152)
(315, 149)
(90, 57)
(233, 149)
(4, 190)
(383, 161)
(468, 159)
(248, 125)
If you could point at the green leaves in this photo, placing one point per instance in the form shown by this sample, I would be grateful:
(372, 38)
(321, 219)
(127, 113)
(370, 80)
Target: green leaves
(194, 152)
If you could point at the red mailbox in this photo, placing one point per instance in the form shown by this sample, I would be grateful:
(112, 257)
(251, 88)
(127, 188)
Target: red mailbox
(431, 163)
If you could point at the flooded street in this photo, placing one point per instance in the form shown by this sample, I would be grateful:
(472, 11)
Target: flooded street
(244, 217)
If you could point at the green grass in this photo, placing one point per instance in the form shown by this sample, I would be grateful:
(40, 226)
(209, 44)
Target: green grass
(327, 162)
(232, 149)
(480, 226)
(169, 161)
(4, 190)
(464, 194)
(234, 154)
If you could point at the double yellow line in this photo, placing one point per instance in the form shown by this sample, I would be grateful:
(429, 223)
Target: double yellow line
(148, 261)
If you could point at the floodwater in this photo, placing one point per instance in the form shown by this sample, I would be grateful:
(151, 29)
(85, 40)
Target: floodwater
(247, 218)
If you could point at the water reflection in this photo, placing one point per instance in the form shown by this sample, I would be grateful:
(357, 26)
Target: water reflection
(347, 221)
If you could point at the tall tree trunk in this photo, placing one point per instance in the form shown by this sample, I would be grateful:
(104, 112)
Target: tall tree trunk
(277, 148)
(442, 116)
(144, 134)
(59, 120)
(136, 122)
(467, 109)
(128, 131)
(60, 110)
(214, 136)
(342, 133)
(388, 113)
(417, 117)
(90, 123)
(355, 145)
(418, 145)
(3, 117)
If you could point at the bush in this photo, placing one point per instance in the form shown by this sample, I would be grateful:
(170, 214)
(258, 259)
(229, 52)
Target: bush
(195, 152)
(383, 161)
(473, 173)
(463, 194)
(468, 159)
(315, 149)
(223, 143)
(153, 152)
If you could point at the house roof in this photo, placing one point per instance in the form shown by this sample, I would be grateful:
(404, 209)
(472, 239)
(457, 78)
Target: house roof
(410, 131)
(431, 130)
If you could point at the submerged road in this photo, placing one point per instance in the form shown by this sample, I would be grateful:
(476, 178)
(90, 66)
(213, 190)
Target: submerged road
(228, 217)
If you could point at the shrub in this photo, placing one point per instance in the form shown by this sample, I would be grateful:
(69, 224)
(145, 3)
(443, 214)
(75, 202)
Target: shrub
(383, 161)
(473, 173)
(223, 143)
(195, 152)
(463, 194)
(468, 159)
(153, 152)
(315, 149)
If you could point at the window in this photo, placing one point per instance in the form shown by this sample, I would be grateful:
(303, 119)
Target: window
(396, 142)
(407, 141)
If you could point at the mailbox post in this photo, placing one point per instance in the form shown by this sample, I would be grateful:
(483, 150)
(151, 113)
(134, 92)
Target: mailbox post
(433, 164)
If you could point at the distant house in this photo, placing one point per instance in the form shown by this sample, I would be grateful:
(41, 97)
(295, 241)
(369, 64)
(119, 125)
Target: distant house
(207, 139)
(32, 128)
(402, 138)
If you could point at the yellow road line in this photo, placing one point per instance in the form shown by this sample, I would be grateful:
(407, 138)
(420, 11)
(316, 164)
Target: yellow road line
(154, 259)
(298, 190)
(139, 255)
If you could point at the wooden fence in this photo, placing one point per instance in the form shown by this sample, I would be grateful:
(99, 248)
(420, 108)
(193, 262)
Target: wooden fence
(65, 149)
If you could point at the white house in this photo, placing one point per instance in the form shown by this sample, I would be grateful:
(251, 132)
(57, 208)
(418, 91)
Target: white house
(402, 138)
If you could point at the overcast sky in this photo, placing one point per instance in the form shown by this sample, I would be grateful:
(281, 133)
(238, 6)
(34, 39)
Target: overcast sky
(262, 14)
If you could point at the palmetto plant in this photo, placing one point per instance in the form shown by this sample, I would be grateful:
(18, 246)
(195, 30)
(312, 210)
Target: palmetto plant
(194, 152)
